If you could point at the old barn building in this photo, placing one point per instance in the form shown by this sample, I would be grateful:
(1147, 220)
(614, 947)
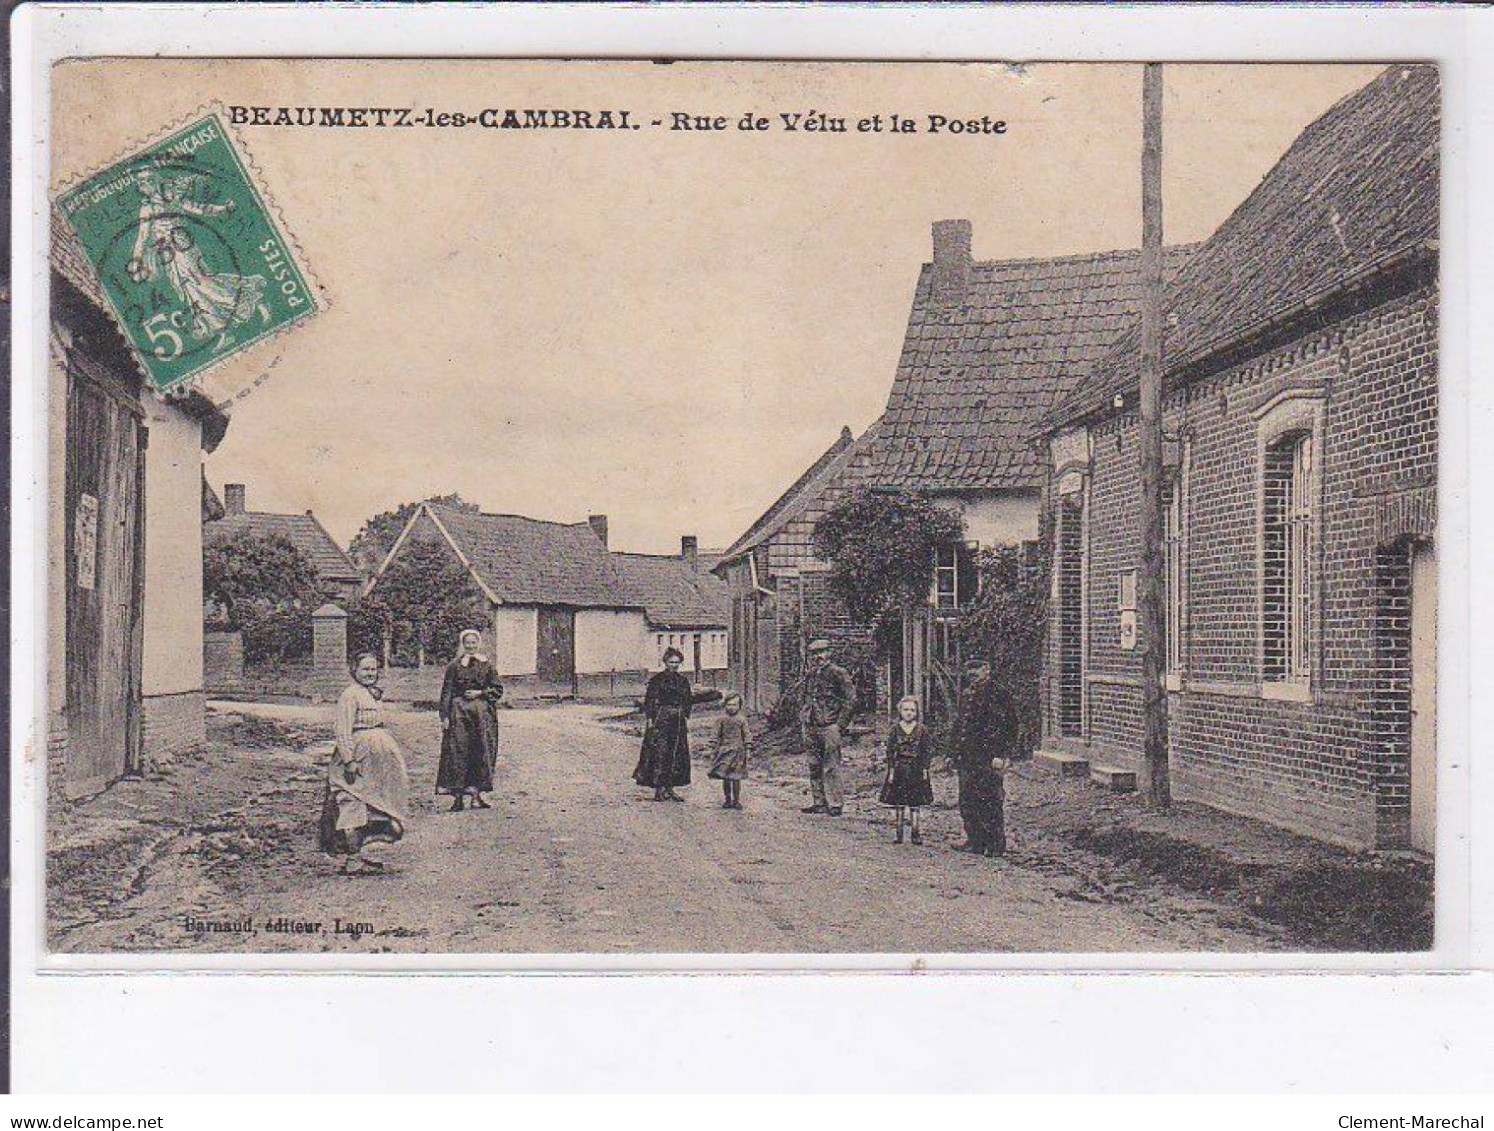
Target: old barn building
(125, 685)
(565, 613)
(1300, 421)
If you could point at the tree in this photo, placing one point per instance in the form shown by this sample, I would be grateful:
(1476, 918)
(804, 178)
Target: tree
(1005, 627)
(368, 626)
(376, 537)
(880, 546)
(427, 596)
(264, 587)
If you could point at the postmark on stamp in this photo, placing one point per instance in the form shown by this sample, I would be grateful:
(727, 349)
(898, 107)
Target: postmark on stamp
(187, 252)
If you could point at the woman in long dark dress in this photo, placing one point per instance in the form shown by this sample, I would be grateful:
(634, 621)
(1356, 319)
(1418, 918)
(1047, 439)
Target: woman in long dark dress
(665, 759)
(469, 725)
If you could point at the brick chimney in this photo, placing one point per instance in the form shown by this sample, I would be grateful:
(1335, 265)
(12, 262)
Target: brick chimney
(233, 498)
(598, 526)
(951, 276)
(689, 549)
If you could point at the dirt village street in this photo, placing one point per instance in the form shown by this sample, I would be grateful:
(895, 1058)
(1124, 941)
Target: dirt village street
(573, 857)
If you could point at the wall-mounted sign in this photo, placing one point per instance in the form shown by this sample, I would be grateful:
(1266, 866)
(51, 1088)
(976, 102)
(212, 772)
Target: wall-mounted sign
(1126, 599)
(86, 539)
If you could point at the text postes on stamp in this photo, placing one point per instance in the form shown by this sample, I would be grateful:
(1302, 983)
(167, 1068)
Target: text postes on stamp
(187, 252)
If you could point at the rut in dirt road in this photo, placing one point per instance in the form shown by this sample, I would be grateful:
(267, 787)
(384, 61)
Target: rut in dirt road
(574, 857)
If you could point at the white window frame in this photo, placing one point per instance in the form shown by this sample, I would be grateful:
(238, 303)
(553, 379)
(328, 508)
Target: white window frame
(1175, 570)
(952, 571)
(1293, 411)
(1299, 522)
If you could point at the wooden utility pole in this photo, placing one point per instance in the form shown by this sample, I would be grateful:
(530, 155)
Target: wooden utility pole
(1156, 786)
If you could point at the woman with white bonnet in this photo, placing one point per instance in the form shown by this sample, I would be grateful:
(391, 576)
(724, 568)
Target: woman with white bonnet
(469, 724)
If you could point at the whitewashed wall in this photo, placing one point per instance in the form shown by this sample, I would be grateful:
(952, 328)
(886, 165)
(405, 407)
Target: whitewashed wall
(996, 519)
(172, 643)
(610, 640)
(514, 641)
(713, 650)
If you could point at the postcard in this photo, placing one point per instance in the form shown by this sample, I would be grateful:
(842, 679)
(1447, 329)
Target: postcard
(631, 509)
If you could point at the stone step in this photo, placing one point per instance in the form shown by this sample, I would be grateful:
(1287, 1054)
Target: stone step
(1067, 765)
(1114, 778)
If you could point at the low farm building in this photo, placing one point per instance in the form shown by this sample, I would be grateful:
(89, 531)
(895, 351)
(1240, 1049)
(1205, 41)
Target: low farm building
(1300, 422)
(564, 613)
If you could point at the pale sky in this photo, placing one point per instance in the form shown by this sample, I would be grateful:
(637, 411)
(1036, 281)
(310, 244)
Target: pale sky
(667, 327)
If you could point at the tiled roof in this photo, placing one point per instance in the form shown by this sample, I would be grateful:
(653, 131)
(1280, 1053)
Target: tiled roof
(673, 594)
(772, 519)
(527, 561)
(1354, 194)
(302, 530)
(976, 378)
(792, 548)
(69, 260)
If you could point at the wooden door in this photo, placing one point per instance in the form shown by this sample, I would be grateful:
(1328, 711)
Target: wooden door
(1424, 699)
(105, 531)
(556, 646)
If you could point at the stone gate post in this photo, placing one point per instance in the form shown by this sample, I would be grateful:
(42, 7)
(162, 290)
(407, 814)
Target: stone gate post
(329, 653)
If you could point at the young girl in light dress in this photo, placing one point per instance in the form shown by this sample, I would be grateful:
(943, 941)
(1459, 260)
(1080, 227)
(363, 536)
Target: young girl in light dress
(733, 745)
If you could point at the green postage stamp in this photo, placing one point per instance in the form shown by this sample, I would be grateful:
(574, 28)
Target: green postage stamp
(187, 252)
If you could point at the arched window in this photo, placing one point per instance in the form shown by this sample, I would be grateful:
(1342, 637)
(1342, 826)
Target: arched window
(1289, 434)
(1286, 559)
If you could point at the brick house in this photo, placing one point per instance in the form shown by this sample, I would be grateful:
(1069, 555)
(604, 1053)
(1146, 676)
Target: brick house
(778, 589)
(124, 656)
(564, 613)
(990, 348)
(338, 577)
(1300, 426)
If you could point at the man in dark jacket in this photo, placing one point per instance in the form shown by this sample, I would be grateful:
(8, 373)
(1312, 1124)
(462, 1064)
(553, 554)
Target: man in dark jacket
(826, 710)
(985, 745)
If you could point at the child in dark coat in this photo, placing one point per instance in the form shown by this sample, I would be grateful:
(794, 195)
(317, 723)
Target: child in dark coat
(909, 751)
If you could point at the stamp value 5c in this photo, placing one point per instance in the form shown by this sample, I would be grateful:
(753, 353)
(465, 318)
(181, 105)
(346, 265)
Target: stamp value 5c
(187, 252)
